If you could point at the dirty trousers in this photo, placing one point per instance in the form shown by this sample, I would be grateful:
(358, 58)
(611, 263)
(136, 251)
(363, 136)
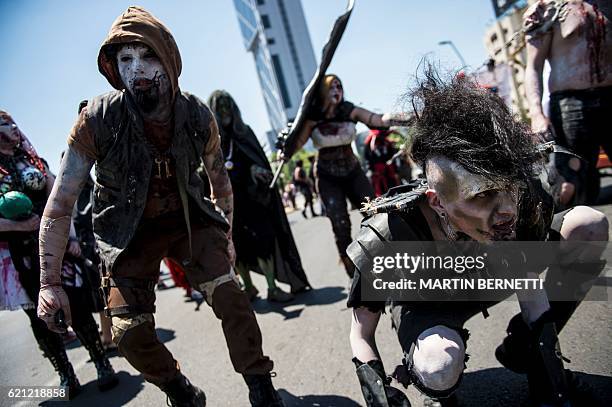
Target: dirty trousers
(334, 190)
(130, 295)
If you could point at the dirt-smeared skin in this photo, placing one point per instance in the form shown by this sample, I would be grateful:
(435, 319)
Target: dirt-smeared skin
(144, 76)
(578, 47)
(73, 174)
(476, 206)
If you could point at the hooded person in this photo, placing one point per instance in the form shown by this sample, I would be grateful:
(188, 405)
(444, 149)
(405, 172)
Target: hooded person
(261, 231)
(149, 142)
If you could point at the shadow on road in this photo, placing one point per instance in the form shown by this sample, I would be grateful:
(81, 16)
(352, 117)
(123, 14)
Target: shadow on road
(316, 400)
(165, 335)
(318, 296)
(128, 388)
(499, 387)
(73, 344)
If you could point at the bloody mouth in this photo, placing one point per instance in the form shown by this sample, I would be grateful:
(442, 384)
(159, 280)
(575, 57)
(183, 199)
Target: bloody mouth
(505, 230)
(143, 83)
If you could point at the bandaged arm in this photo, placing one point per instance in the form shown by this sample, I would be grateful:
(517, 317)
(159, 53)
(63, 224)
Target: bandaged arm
(54, 231)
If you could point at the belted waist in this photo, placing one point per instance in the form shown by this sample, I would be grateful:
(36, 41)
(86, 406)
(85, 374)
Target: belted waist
(129, 282)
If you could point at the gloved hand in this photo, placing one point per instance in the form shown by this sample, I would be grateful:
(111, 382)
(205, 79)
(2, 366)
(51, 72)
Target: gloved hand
(375, 386)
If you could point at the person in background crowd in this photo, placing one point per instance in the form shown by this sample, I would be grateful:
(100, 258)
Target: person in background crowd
(304, 185)
(575, 37)
(379, 153)
(331, 126)
(26, 182)
(261, 233)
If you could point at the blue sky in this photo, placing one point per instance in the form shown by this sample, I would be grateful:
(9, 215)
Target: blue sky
(50, 50)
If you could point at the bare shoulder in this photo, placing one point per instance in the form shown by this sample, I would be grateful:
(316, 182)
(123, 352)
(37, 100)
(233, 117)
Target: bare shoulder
(542, 16)
(583, 19)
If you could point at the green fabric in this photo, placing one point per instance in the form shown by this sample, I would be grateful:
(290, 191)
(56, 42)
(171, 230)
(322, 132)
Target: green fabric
(267, 268)
(245, 274)
(15, 205)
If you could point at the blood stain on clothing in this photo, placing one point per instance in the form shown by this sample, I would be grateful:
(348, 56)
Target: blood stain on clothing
(595, 37)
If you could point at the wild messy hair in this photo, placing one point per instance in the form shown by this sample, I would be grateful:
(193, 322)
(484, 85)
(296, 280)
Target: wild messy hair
(465, 123)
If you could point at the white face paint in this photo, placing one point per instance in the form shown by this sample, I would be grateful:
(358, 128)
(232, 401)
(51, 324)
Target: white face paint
(483, 209)
(335, 93)
(143, 75)
(472, 185)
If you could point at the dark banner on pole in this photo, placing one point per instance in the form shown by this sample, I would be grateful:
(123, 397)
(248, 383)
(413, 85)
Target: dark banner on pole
(501, 6)
(309, 93)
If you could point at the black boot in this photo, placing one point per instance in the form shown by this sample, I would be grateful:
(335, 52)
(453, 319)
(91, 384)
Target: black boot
(580, 392)
(90, 338)
(450, 401)
(515, 351)
(53, 348)
(262, 392)
(181, 393)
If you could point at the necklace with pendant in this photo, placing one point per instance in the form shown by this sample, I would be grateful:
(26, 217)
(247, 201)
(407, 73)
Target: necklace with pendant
(229, 164)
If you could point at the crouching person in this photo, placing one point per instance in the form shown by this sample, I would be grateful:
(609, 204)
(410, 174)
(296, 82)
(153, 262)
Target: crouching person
(481, 185)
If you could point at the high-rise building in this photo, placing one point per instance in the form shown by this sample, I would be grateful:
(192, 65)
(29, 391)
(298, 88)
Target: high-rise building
(507, 49)
(275, 32)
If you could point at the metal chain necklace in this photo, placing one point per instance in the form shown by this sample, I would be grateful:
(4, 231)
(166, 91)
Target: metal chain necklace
(229, 164)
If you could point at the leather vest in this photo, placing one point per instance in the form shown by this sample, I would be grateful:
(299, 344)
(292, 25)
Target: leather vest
(125, 162)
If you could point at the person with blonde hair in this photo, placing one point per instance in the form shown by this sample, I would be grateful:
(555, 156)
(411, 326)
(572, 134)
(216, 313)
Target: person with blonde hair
(331, 125)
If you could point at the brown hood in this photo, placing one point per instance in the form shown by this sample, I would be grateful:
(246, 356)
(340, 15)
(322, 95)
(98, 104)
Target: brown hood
(138, 25)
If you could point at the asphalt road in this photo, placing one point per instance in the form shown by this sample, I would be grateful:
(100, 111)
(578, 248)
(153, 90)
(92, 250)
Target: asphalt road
(308, 340)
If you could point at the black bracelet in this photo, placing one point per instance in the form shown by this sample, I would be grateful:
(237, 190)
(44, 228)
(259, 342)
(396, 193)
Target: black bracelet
(370, 118)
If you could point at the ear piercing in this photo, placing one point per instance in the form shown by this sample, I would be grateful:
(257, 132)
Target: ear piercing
(446, 227)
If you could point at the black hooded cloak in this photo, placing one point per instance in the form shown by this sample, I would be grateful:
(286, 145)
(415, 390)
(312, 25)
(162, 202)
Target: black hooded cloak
(260, 225)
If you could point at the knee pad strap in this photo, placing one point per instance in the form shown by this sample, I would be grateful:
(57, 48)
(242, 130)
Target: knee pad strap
(121, 324)
(208, 288)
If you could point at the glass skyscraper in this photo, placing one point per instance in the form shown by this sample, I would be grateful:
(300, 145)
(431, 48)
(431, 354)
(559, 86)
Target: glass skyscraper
(275, 32)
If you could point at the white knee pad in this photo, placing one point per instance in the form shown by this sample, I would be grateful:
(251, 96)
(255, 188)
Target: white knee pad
(438, 359)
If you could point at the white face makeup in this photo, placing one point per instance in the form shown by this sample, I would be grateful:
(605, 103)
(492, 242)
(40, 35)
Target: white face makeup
(483, 209)
(335, 92)
(473, 185)
(143, 75)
